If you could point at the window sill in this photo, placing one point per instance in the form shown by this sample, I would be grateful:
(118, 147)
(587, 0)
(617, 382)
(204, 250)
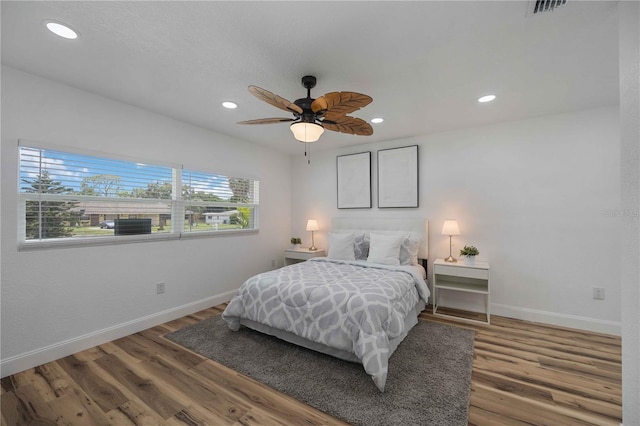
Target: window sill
(125, 239)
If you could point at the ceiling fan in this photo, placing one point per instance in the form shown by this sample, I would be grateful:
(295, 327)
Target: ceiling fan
(313, 116)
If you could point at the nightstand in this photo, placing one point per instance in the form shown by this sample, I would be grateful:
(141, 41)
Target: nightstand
(461, 277)
(292, 256)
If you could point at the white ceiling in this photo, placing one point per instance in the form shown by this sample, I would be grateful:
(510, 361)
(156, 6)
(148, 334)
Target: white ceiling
(424, 63)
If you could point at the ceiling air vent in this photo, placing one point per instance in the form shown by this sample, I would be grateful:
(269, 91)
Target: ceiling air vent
(547, 5)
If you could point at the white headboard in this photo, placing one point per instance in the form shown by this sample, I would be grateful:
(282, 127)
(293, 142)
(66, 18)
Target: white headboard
(417, 227)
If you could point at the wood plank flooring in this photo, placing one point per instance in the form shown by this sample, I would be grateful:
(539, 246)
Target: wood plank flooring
(529, 373)
(523, 374)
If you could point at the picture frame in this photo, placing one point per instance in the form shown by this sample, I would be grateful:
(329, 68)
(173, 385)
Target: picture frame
(398, 177)
(354, 181)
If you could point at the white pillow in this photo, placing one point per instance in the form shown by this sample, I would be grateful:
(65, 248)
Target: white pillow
(341, 246)
(385, 249)
(409, 250)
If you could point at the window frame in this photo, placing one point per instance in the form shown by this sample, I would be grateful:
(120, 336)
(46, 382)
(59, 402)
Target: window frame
(177, 206)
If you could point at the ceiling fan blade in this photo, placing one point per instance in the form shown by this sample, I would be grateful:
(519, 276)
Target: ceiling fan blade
(341, 103)
(319, 104)
(267, 121)
(273, 99)
(350, 125)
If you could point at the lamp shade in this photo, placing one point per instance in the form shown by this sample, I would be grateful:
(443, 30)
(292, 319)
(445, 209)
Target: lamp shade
(312, 225)
(450, 227)
(306, 132)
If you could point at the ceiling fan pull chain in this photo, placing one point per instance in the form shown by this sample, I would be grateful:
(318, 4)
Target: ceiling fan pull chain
(305, 153)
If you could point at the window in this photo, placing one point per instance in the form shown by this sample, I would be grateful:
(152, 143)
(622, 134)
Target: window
(73, 199)
(218, 202)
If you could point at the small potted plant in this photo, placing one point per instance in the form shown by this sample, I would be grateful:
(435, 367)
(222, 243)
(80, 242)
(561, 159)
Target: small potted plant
(296, 241)
(469, 253)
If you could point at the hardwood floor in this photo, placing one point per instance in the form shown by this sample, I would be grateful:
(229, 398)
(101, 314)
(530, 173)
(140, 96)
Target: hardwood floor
(523, 373)
(530, 373)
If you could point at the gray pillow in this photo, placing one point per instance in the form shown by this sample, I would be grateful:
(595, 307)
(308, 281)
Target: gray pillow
(361, 246)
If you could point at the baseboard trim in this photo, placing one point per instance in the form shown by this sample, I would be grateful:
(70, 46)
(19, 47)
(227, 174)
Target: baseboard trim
(24, 361)
(554, 318)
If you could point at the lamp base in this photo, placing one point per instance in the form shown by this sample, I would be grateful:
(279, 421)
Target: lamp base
(451, 259)
(313, 244)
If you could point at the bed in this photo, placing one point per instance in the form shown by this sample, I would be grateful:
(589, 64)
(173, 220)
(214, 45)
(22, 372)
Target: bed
(357, 304)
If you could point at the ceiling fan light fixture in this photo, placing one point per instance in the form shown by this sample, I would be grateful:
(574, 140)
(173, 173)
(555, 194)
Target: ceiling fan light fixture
(306, 132)
(377, 120)
(229, 105)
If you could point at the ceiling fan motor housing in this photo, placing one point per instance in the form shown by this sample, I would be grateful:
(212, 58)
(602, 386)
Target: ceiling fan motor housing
(307, 114)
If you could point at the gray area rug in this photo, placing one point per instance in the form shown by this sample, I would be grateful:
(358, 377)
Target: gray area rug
(429, 379)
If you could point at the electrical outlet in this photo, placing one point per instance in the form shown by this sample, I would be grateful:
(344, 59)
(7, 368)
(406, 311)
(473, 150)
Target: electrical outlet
(160, 288)
(598, 293)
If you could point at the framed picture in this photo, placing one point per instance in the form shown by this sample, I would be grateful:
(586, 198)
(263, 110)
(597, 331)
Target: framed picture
(398, 177)
(354, 180)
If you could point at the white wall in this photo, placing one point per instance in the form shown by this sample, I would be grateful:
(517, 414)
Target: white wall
(55, 302)
(534, 196)
(630, 237)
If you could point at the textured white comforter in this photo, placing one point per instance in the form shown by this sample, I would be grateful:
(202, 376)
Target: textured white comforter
(352, 306)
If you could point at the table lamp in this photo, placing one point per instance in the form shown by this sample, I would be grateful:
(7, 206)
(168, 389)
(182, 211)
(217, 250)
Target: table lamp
(312, 225)
(450, 227)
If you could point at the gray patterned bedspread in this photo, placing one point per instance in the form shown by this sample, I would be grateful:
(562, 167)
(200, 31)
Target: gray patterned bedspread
(352, 306)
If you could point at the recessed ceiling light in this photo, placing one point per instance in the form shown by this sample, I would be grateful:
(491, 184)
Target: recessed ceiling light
(377, 120)
(62, 30)
(486, 98)
(230, 105)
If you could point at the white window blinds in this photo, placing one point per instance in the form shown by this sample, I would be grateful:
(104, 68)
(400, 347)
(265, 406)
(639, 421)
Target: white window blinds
(218, 202)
